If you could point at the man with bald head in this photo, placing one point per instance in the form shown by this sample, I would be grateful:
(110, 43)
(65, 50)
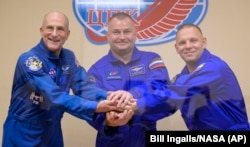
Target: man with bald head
(43, 78)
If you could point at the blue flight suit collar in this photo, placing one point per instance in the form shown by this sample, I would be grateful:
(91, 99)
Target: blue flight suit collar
(204, 57)
(43, 49)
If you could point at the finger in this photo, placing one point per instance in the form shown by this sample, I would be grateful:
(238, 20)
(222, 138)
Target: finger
(110, 96)
(115, 108)
(113, 115)
(124, 99)
(130, 113)
(125, 117)
(114, 96)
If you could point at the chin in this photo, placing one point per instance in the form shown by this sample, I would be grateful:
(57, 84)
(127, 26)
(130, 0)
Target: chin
(52, 49)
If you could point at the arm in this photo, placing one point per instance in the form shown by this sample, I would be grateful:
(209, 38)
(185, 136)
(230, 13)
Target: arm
(148, 94)
(183, 89)
(83, 87)
(39, 81)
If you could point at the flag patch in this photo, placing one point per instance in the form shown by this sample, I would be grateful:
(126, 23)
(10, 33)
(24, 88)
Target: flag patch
(156, 63)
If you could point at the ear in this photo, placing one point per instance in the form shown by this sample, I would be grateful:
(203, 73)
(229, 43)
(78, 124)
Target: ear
(68, 33)
(204, 41)
(41, 31)
(176, 49)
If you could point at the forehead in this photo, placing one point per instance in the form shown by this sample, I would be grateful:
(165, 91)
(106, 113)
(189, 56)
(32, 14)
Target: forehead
(115, 22)
(121, 23)
(188, 31)
(55, 19)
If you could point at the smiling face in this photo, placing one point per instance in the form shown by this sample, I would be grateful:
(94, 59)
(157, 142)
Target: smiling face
(190, 44)
(121, 34)
(55, 31)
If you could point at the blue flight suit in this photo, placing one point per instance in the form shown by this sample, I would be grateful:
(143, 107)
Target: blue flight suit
(136, 76)
(210, 97)
(40, 96)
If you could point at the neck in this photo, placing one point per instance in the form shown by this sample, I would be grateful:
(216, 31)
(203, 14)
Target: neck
(191, 67)
(124, 57)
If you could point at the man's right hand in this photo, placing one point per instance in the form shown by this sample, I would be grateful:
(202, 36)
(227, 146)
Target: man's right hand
(122, 97)
(107, 105)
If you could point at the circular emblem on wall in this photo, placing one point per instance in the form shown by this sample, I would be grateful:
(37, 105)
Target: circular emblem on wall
(156, 20)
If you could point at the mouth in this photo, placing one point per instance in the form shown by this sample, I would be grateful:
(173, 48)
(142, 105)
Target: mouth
(189, 53)
(53, 40)
(122, 43)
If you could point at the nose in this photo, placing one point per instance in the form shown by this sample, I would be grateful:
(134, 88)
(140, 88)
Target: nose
(54, 32)
(188, 44)
(122, 35)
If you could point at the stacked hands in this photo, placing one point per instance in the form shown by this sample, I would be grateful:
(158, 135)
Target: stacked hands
(119, 107)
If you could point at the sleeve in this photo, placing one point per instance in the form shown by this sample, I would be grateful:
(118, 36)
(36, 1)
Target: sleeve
(82, 86)
(96, 76)
(185, 87)
(41, 82)
(149, 93)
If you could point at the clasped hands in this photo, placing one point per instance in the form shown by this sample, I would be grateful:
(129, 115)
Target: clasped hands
(126, 106)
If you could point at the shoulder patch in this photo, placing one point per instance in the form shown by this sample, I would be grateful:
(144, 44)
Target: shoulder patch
(33, 63)
(156, 63)
(198, 68)
(92, 78)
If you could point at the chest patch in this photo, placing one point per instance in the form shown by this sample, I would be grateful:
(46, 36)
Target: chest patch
(52, 72)
(113, 74)
(65, 69)
(137, 70)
